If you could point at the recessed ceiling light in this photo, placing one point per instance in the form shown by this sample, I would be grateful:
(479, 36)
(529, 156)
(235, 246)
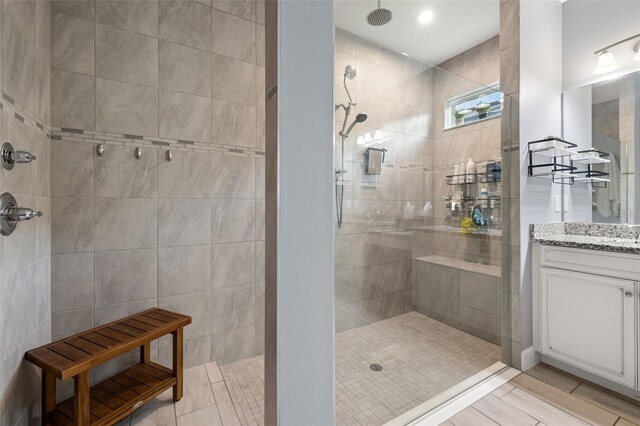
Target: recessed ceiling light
(425, 17)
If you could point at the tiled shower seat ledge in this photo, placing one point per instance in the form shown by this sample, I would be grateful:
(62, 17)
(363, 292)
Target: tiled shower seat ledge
(595, 236)
(479, 268)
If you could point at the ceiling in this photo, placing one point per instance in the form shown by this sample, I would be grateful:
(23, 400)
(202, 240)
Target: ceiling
(457, 25)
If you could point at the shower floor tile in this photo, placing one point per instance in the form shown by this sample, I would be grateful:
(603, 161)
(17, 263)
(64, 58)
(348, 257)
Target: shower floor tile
(420, 358)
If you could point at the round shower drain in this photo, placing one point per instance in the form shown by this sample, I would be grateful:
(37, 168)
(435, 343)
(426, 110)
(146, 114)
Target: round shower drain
(375, 367)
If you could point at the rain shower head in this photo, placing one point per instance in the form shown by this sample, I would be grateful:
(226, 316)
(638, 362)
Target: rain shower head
(359, 119)
(350, 72)
(379, 16)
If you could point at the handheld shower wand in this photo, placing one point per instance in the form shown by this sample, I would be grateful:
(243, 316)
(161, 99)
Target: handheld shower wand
(349, 73)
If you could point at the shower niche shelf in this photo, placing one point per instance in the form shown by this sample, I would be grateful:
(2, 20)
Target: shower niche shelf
(466, 179)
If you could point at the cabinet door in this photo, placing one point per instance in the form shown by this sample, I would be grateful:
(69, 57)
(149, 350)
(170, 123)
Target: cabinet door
(588, 321)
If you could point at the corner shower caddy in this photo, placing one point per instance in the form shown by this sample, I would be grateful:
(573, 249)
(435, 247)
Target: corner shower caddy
(556, 150)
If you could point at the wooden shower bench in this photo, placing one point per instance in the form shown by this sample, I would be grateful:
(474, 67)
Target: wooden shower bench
(117, 397)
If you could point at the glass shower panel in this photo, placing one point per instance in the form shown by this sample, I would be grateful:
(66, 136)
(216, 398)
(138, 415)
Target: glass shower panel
(418, 252)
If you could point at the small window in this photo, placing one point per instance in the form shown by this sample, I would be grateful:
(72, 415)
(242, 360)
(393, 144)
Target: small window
(476, 105)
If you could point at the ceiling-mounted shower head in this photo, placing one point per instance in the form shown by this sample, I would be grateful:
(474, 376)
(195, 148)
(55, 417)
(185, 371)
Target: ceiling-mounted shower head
(379, 16)
(350, 72)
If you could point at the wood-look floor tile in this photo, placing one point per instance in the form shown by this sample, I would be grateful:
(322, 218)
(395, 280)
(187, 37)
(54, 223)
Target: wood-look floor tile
(502, 412)
(225, 405)
(197, 391)
(565, 401)
(213, 371)
(609, 402)
(208, 416)
(540, 410)
(625, 422)
(503, 390)
(553, 377)
(155, 413)
(471, 416)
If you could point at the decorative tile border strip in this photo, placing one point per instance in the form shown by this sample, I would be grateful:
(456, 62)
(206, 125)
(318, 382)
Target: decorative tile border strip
(125, 139)
(20, 113)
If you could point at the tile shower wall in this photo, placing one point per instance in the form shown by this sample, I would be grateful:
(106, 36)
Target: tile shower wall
(480, 141)
(25, 309)
(185, 235)
(373, 249)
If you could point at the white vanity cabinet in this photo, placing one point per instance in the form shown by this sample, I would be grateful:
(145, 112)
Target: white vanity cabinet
(587, 310)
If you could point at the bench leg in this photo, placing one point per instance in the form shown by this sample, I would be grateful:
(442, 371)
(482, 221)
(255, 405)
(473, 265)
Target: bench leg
(48, 394)
(145, 353)
(81, 399)
(177, 364)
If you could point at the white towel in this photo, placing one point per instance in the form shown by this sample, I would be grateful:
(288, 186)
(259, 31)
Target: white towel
(608, 199)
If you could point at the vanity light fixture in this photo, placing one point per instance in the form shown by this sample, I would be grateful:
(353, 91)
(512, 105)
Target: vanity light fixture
(425, 17)
(606, 61)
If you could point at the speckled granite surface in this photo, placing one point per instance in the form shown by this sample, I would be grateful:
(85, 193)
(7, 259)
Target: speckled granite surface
(587, 235)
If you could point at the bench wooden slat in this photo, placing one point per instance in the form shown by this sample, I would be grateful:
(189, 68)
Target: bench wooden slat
(68, 351)
(139, 325)
(154, 372)
(133, 332)
(131, 383)
(159, 317)
(143, 378)
(67, 409)
(101, 340)
(115, 335)
(97, 408)
(85, 345)
(107, 398)
(149, 320)
(169, 314)
(58, 418)
(118, 390)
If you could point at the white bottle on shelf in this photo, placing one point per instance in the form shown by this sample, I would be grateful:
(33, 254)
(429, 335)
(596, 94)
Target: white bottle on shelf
(484, 198)
(457, 171)
(470, 171)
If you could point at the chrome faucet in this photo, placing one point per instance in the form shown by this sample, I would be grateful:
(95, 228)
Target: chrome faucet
(9, 157)
(11, 214)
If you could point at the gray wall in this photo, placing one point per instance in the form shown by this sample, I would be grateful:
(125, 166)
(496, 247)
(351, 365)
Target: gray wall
(300, 364)
(540, 116)
(185, 235)
(25, 320)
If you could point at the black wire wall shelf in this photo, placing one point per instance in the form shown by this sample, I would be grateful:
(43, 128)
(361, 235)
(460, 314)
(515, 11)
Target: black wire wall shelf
(553, 150)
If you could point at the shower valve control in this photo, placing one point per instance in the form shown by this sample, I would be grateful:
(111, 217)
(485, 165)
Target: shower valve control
(11, 214)
(10, 157)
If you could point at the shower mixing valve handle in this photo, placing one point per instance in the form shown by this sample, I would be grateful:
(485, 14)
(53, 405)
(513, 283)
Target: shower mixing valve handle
(9, 157)
(20, 214)
(11, 214)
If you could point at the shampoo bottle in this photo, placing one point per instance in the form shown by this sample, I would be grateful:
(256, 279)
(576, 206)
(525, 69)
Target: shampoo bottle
(470, 171)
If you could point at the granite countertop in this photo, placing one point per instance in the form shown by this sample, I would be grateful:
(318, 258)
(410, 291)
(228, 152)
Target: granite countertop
(586, 235)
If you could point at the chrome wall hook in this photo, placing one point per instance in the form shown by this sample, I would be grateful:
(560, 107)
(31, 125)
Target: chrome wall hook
(11, 214)
(169, 155)
(138, 153)
(100, 150)
(10, 157)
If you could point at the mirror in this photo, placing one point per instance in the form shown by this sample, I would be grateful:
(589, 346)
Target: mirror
(605, 116)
